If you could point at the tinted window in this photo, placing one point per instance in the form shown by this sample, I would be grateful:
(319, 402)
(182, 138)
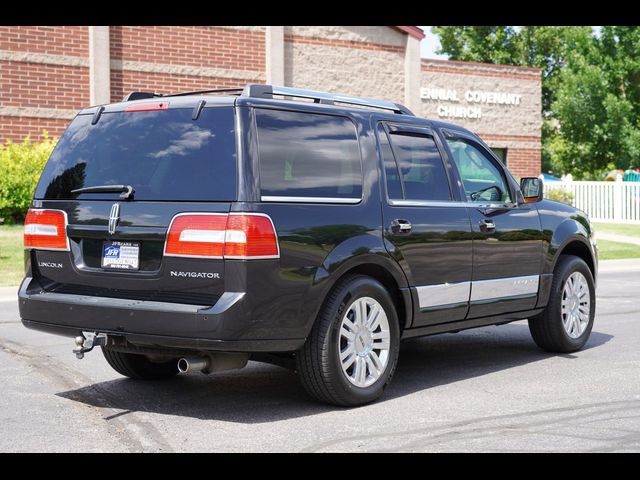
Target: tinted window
(394, 188)
(482, 178)
(164, 155)
(421, 168)
(308, 155)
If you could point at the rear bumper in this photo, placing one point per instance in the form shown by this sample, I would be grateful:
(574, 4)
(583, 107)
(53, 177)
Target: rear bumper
(227, 326)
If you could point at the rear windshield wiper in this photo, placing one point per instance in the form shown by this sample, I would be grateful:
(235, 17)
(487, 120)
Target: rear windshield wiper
(125, 191)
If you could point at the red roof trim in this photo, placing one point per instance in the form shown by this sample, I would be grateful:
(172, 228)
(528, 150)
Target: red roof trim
(415, 32)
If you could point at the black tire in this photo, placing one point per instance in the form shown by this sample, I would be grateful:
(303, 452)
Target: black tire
(318, 362)
(546, 328)
(139, 367)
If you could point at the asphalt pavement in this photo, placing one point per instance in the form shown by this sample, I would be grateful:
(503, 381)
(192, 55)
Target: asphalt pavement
(489, 389)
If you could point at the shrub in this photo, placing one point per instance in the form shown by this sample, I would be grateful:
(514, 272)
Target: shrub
(560, 195)
(20, 167)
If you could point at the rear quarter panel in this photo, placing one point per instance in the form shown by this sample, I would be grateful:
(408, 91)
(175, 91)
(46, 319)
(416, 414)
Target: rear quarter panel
(318, 242)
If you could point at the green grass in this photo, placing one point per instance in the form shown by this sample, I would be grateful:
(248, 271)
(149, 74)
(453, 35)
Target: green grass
(618, 229)
(616, 250)
(11, 255)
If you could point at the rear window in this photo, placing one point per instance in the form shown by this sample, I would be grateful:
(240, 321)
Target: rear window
(163, 155)
(308, 155)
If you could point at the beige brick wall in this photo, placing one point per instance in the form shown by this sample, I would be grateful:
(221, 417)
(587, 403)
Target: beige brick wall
(523, 120)
(514, 127)
(353, 60)
(363, 34)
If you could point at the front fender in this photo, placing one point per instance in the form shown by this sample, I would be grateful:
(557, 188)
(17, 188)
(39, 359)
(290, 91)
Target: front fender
(568, 231)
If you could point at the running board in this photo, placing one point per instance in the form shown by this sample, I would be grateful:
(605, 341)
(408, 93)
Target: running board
(453, 327)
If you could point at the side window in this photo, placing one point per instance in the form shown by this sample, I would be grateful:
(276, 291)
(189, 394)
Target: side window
(483, 180)
(420, 167)
(394, 187)
(308, 155)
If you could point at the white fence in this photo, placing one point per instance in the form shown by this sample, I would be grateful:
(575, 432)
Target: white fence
(604, 201)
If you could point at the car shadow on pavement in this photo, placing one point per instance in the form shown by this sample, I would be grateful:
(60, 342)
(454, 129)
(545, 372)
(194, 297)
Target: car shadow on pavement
(264, 393)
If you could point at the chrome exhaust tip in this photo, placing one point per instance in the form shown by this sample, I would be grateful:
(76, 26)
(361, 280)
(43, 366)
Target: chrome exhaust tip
(213, 362)
(193, 364)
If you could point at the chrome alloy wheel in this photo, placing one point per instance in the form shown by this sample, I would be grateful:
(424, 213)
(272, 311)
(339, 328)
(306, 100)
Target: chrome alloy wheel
(364, 342)
(576, 305)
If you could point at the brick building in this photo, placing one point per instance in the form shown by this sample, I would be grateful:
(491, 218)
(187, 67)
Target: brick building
(48, 73)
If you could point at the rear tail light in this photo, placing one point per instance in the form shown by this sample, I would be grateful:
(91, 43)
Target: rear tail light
(196, 235)
(220, 235)
(251, 235)
(46, 230)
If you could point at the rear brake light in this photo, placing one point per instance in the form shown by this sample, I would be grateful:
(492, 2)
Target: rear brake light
(221, 235)
(46, 230)
(250, 235)
(147, 107)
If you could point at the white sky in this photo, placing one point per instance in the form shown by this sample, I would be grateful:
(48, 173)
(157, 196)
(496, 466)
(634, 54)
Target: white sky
(430, 44)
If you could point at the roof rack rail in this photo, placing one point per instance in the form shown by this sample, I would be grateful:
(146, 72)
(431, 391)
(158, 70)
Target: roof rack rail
(200, 92)
(141, 95)
(258, 90)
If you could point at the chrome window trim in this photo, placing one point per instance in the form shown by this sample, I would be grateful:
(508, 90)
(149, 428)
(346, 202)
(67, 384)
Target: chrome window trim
(452, 203)
(445, 295)
(285, 199)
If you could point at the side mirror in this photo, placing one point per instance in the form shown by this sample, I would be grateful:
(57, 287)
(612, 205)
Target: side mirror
(532, 189)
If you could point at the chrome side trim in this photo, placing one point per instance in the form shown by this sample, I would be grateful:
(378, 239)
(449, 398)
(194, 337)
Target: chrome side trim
(443, 294)
(271, 198)
(504, 287)
(450, 294)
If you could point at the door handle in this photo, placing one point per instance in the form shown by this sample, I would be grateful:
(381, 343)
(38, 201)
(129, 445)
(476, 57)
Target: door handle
(400, 225)
(487, 226)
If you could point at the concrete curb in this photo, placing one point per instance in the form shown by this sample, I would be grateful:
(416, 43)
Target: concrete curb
(8, 293)
(622, 265)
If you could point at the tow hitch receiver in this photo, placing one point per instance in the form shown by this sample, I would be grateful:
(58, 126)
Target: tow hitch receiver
(86, 342)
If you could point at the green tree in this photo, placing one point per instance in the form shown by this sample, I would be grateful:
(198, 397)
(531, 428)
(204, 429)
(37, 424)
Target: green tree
(532, 46)
(590, 88)
(20, 167)
(597, 107)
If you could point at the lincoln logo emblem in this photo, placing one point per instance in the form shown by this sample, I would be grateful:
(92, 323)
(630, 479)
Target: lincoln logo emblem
(114, 217)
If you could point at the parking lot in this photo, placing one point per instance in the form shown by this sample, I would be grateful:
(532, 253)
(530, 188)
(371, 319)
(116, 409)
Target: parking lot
(489, 389)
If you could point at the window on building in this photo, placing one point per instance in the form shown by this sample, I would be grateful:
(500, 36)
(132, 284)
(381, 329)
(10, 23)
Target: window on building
(420, 167)
(308, 155)
(501, 153)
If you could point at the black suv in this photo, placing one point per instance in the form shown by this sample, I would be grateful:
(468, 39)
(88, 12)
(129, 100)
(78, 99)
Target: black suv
(196, 231)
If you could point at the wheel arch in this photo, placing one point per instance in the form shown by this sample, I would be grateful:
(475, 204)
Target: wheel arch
(579, 248)
(572, 238)
(379, 267)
